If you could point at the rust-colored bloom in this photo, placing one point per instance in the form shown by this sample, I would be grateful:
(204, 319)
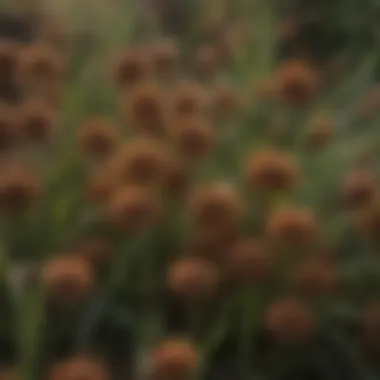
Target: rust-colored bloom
(215, 205)
(290, 321)
(132, 208)
(97, 250)
(297, 83)
(193, 136)
(19, 188)
(321, 132)
(9, 127)
(193, 279)
(67, 278)
(165, 57)
(271, 170)
(40, 64)
(37, 120)
(291, 226)
(314, 278)
(133, 66)
(359, 188)
(97, 137)
(174, 358)
(249, 261)
(140, 161)
(188, 99)
(80, 367)
(145, 107)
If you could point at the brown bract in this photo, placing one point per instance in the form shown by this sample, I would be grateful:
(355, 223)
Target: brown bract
(315, 278)
(132, 66)
(193, 136)
(193, 279)
(272, 170)
(175, 359)
(291, 226)
(67, 278)
(97, 137)
(146, 108)
(297, 83)
(19, 188)
(79, 367)
(37, 120)
(215, 205)
(249, 261)
(132, 208)
(290, 322)
(359, 188)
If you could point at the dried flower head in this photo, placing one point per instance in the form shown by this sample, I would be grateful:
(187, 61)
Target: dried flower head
(145, 107)
(174, 358)
(9, 52)
(9, 127)
(297, 83)
(37, 120)
(19, 188)
(80, 367)
(314, 278)
(249, 261)
(40, 64)
(272, 170)
(215, 205)
(165, 56)
(188, 99)
(132, 208)
(140, 161)
(290, 321)
(207, 60)
(97, 250)
(67, 278)
(321, 132)
(132, 66)
(291, 226)
(192, 136)
(97, 137)
(359, 188)
(193, 279)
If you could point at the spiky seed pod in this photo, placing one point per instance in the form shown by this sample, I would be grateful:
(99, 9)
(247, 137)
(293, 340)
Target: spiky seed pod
(189, 99)
(165, 57)
(359, 188)
(133, 66)
(37, 120)
(297, 83)
(80, 367)
(145, 108)
(248, 261)
(291, 226)
(132, 208)
(314, 278)
(290, 322)
(174, 358)
(9, 52)
(67, 278)
(207, 60)
(320, 133)
(140, 161)
(97, 137)
(193, 136)
(9, 127)
(193, 279)
(215, 205)
(272, 170)
(40, 64)
(97, 250)
(225, 100)
(19, 188)
(370, 329)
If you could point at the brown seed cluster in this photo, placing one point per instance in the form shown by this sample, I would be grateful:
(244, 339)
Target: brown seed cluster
(272, 170)
(189, 98)
(174, 358)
